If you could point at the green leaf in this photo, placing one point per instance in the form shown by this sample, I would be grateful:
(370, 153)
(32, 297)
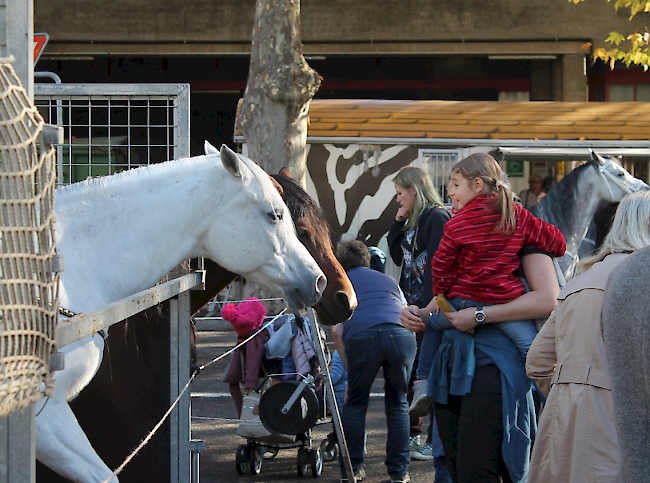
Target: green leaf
(615, 38)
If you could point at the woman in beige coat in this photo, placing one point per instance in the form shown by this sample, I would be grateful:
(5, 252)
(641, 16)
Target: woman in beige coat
(576, 438)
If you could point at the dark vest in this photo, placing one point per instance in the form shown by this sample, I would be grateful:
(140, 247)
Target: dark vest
(379, 301)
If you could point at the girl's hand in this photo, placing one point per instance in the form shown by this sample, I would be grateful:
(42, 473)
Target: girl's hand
(402, 214)
(463, 320)
(429, 310)
(410, 318)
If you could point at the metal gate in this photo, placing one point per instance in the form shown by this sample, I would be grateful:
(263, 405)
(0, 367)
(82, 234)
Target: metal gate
(438, 163)
(109, 128)
(112, 127)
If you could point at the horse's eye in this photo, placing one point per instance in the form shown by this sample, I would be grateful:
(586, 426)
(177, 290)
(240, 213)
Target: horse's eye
(275, 215)
(621, 174)
(303, 234)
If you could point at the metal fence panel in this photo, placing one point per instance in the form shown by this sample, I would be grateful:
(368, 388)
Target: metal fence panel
(438, 163)
(109, 128)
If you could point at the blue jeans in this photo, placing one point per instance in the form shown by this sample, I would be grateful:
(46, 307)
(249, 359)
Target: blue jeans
(520, 332)
(392, 347)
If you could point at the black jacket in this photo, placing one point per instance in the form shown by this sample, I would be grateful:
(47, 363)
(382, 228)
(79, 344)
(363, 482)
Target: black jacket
(418, 288)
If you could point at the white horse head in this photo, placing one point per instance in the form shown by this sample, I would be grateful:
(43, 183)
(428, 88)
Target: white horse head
(616, 181)
(275, 258)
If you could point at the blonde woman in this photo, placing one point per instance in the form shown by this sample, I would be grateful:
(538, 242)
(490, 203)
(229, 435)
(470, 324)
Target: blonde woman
(576, 439)
(413, 238)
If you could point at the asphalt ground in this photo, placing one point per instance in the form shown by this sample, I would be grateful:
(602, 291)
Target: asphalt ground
(213, 412)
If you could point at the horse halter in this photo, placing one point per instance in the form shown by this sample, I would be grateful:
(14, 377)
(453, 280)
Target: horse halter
(602, 169)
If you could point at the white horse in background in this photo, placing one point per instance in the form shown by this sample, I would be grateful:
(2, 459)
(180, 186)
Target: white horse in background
(572, 203)
(121, 234)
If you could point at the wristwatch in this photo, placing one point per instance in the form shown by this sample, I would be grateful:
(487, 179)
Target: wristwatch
(479, 315)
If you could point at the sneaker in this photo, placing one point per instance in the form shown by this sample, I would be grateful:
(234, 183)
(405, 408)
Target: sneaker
(421, 404)
(360, 475)
(424, 454)
(415, 444)
(404, 479)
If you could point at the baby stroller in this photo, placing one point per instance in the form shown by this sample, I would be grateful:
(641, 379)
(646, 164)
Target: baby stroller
(282, 411)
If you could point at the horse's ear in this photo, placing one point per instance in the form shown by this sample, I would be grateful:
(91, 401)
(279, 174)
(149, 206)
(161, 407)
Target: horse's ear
(231, 161)
(209, 148)
(278, 186)
(597, 158)
(285, 172)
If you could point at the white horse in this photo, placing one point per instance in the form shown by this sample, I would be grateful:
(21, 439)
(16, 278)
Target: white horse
(121, 234)
(571, 204)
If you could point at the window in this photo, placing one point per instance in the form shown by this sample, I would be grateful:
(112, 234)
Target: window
(438, 163)
(629, 92)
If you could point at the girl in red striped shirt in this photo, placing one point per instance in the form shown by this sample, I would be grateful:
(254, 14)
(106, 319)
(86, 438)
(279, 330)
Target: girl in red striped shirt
(478, 257)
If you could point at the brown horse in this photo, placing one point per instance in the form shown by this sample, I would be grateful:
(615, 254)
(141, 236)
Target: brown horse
(116, 420)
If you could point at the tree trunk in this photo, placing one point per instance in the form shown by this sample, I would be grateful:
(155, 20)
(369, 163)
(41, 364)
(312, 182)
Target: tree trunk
(280, 87)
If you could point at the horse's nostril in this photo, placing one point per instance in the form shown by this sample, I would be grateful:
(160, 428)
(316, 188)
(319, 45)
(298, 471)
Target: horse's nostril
(342, 300)
(321, 283)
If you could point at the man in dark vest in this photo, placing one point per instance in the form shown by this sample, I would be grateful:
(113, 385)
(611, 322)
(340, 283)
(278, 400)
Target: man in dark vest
(374, 338)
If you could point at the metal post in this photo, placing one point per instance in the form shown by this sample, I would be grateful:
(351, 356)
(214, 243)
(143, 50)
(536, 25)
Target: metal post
(18, 447)
(184, 451)
(17, 39)
(182, 123)
(329, 393)
(59, 122)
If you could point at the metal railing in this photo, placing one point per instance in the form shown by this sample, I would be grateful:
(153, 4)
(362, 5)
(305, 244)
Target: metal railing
(184, 451)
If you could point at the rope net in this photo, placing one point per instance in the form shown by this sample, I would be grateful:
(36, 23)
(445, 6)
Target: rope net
(29, 285)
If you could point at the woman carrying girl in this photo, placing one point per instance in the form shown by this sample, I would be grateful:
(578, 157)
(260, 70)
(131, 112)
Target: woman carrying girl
(475, 267)
(478, 256)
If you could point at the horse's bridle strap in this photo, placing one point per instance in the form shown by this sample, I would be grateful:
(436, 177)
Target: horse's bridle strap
(603, 171)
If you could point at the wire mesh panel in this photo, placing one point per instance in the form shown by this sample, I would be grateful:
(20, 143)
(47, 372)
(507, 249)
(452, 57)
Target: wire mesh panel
(438, 164)
(109, 128)
(28, 287)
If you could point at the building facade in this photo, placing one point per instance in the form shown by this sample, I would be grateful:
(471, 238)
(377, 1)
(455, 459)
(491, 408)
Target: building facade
(421, 50)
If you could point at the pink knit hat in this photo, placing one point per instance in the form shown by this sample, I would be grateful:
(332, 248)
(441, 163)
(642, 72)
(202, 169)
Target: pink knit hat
(246, 317)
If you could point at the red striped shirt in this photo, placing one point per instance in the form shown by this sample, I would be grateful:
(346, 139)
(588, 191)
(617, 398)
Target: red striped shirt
(477, 263)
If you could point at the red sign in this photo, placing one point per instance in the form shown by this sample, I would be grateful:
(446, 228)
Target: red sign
(39, 44)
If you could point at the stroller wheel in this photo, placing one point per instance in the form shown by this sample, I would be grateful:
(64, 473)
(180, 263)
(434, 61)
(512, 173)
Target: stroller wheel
(329, 449)
(302, 464)
(256, 460)
(242, 459)
(316, 460)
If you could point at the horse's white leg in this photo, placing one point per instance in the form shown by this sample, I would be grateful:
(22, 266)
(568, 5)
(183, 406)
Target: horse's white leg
(60, 442)
(82, 361)
(62, 445)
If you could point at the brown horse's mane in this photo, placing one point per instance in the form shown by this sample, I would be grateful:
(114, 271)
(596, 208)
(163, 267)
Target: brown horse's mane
(301, 205)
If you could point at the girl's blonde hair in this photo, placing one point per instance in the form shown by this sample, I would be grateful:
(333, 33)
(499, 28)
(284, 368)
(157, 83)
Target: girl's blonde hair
(426, 195)
(630, 229)
(485, 167)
